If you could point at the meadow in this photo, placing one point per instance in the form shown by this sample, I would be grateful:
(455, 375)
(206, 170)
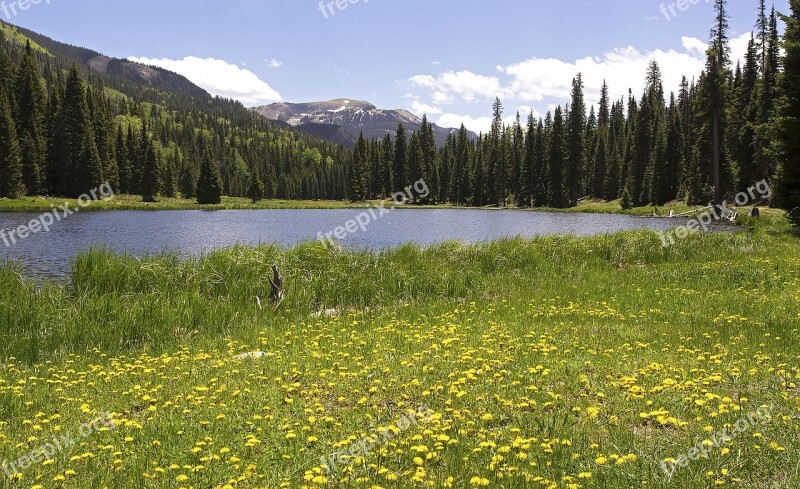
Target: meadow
(556, 362)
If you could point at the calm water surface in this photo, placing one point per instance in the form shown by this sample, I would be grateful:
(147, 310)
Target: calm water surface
(191, 232)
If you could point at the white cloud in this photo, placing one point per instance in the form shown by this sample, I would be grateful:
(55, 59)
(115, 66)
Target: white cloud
(219, 77)
(420, 108)
(474, 124)
(464, 85)
(545, 82)
(274, 63)
(694, 45)
(537, 79)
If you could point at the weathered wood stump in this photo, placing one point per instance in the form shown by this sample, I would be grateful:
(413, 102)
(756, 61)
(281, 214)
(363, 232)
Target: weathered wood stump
(276, 282)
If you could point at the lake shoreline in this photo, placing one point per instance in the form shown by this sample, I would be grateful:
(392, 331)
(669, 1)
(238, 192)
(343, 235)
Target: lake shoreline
(134, 203)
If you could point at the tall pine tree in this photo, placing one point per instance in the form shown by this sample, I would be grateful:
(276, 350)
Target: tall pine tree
(29, 109)
(788, 119)
(209, 182)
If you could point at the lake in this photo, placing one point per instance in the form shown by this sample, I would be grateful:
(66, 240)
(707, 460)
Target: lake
(48, 255)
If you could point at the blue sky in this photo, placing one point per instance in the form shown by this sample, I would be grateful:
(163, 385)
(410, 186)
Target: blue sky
(445, 57)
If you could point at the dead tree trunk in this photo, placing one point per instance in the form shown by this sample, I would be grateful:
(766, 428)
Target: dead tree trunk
(276, 294)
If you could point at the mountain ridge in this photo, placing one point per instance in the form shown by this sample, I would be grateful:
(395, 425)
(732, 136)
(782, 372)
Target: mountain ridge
(342, 120)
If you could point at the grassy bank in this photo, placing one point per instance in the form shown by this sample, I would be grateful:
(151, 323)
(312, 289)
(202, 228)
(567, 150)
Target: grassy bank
(134, 202)
(554, 362)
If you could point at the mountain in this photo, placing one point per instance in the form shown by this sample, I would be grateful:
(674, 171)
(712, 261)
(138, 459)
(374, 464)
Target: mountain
(341, 120)
(118, 68)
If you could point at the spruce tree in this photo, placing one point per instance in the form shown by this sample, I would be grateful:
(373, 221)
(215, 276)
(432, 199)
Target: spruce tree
(478, 171)
(388, 166)
(151, 174)
(29, 108)
(661, 178)
(517, 160)
(80, 165)
(123, 164)
(170, 178)
(744, 111)
(557, 196)
(788, 117)
(527, 177)
(400, 176)
(11, 183)
(255, 190)
(430, 162)
(460, 191)
(209, 183)
(540, 182)
(600, 163)
(576, 143)
(415, 160)
(358, 173)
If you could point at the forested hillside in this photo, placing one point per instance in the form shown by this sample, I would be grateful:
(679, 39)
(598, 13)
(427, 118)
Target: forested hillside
(66, 128)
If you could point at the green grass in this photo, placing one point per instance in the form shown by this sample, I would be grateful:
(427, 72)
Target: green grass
(543, 361)
(133, 202)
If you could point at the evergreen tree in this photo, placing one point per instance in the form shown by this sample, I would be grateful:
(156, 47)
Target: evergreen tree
(80, 163)
(788, 117)
(541, 184)
(600, 163)
(743, 119)
(358, 181)
(496, 171)
(151, 174)
(170, 178)
(661, 178)
(430, 161)
(400, 176)
(460, 192)
(767, 95)
(209, 182)
(576, 143)
(54, 174)
(527, 174)
(29, 106)
(11, 183)
(517, 161)
(255, 190)
(717, 68)
(415, 160)
(123, 164)
(388, 160)
(479, 169)
(557, 196)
